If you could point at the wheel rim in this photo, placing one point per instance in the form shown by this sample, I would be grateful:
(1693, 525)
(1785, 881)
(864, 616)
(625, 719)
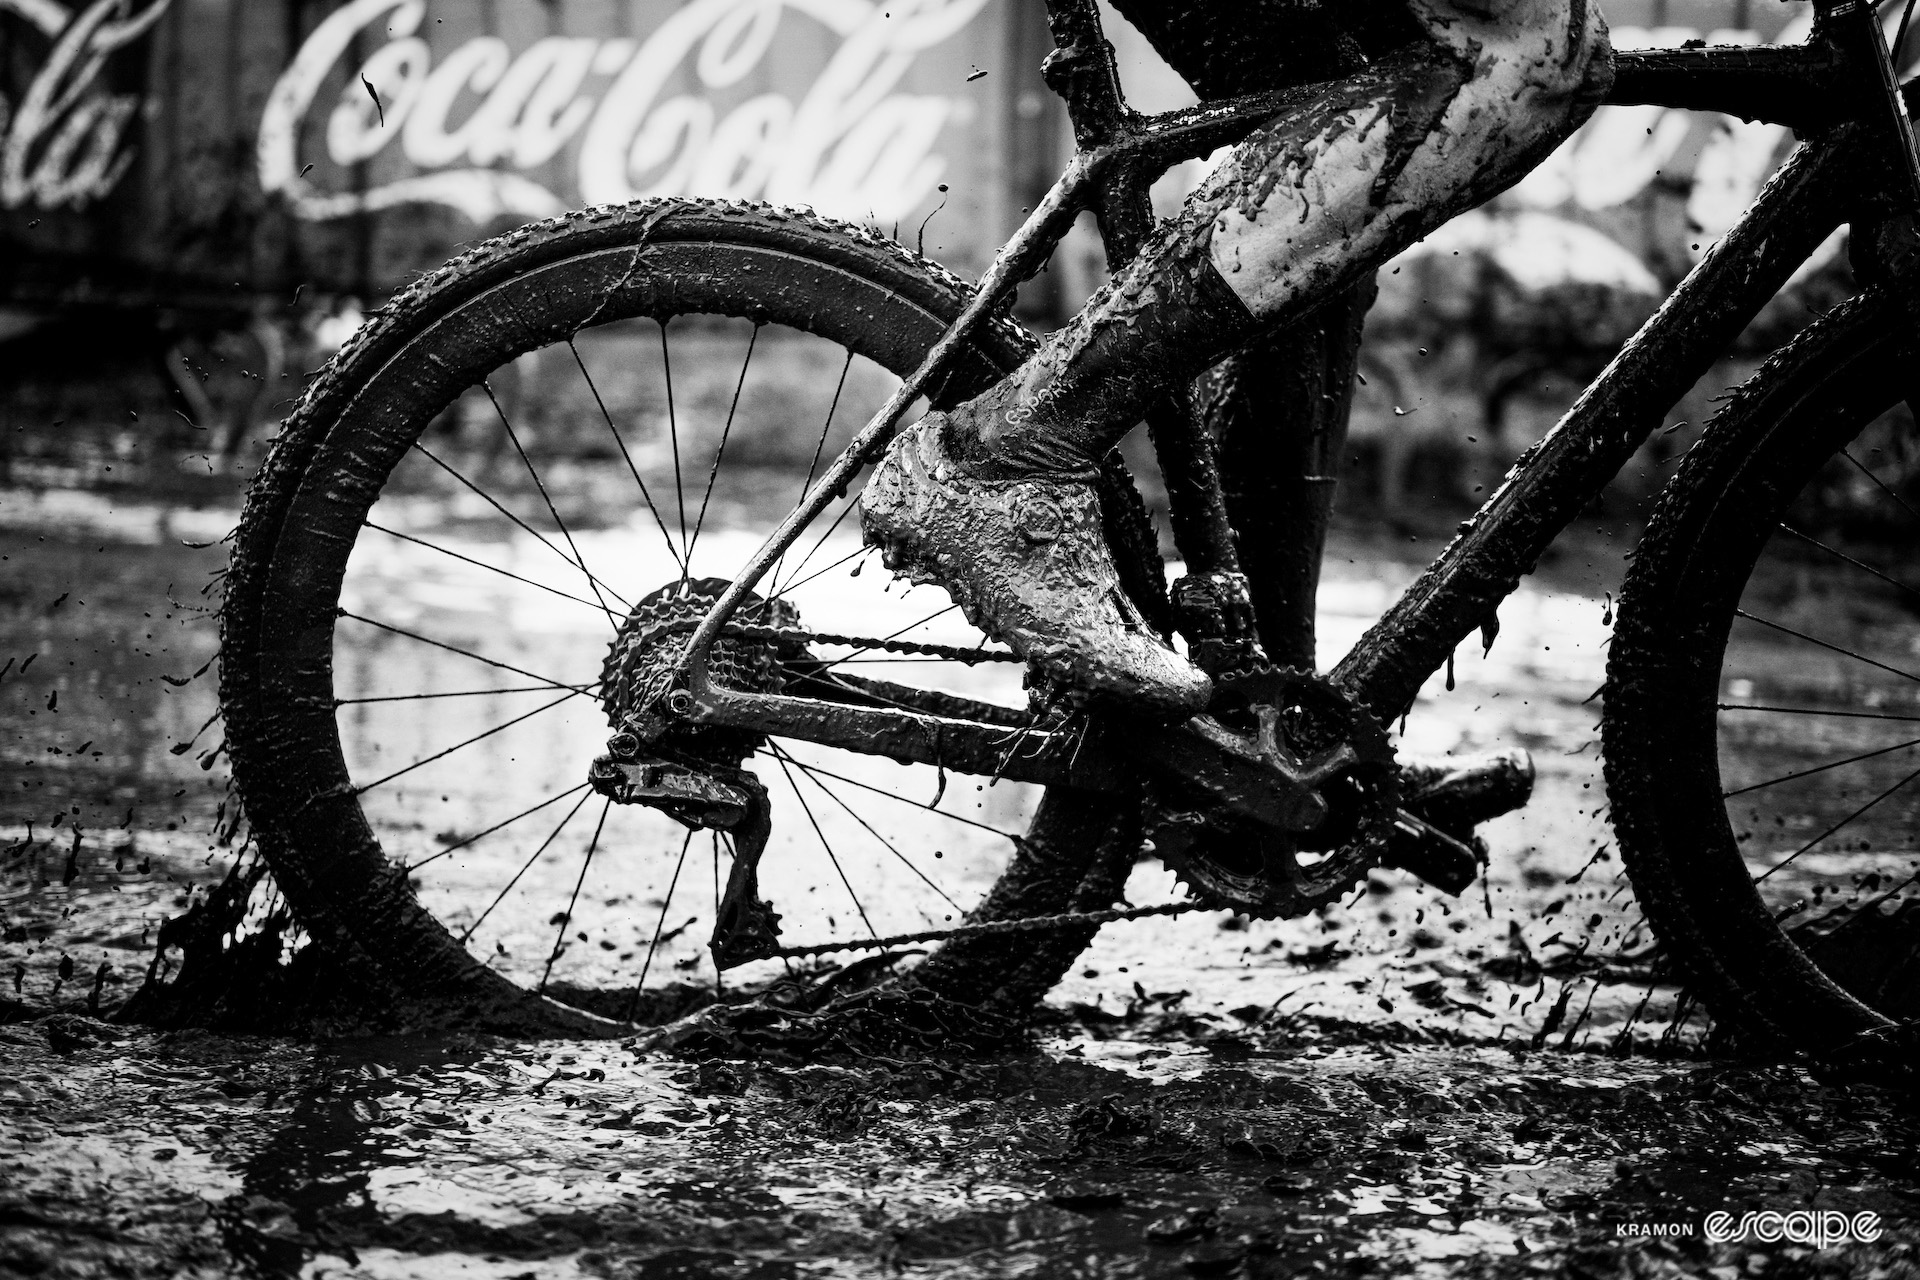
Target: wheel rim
(1818, 717)
(1703, 680)
(470, 630)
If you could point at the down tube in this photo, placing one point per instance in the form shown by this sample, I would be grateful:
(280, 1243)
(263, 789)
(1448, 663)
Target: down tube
(1557, 477)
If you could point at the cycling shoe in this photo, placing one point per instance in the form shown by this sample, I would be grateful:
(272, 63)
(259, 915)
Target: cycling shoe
(1026, 561)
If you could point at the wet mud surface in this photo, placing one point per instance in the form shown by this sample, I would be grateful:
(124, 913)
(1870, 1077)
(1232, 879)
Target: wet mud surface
(125, 1152)
(1502, 1084)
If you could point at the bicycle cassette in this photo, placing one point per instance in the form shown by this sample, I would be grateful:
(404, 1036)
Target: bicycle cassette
(1302, 720)
(643, 664)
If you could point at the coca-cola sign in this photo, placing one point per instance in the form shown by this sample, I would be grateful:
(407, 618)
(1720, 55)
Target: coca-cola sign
(479, 127)
(65, 142)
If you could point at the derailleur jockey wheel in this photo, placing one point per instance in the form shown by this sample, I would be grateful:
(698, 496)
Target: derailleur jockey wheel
(690, 773)
(1300, 719)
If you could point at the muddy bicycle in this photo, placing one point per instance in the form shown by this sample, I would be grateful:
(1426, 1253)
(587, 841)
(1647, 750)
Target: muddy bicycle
(593, 607)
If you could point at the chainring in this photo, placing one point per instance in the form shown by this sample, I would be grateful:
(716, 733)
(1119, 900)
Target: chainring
(1260, 870)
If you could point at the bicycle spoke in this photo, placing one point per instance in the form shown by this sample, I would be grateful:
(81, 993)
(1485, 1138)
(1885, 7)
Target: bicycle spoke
(673, 435)
(1845, 652)
(819, 446)
(489, 499)
(831, 856)
(833, 796)
(1858, 564)
(458, 746)
(1837, 826)
(918, 804)
(1879, 483)
(566, 919)
(814, 550)
(659, 926)
(792, 587)
(726, 430)
(645, 494)
(1836, 764)
(579, 560)
(491, 568)
(498, 826)
(500, 897)
(425, 697)
(1815, 711)
(1868, 910)
(468, 653)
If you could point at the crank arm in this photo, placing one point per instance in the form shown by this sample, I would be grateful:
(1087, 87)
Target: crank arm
(1442, 801)
(1267, 789)
(1447, 864)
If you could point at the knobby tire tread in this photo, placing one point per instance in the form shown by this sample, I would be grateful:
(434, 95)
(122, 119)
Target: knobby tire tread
(1659, 727)
(348, 895)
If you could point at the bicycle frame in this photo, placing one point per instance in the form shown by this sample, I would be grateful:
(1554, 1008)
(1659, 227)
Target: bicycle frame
(1826, 182)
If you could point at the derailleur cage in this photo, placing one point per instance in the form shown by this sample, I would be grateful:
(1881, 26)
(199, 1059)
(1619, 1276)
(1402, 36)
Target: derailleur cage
(708, 797)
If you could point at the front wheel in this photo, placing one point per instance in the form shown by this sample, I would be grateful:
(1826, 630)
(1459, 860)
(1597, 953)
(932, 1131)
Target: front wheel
(1762, 725)
(523, 462)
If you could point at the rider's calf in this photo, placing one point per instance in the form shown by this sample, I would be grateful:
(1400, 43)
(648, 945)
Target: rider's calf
(1365, 167)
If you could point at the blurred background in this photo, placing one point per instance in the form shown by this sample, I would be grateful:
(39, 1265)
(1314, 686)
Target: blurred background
(198, 201)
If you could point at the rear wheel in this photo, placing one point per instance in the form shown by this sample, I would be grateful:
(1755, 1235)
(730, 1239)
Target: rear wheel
(1762, 725)
(455, 525)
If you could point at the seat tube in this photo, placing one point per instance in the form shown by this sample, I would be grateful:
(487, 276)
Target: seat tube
(1082, 70)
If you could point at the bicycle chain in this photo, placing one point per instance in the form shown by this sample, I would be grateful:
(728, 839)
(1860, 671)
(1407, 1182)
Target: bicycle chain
(777, 635)
(989, 928)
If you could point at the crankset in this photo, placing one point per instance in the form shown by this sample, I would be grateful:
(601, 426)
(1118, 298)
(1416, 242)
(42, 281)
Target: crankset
(1307, 727)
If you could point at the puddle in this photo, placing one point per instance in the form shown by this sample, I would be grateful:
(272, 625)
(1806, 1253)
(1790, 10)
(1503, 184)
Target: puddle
(125, 1150)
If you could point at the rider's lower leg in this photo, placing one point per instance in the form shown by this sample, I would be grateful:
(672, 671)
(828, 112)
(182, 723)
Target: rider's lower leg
(994, 500)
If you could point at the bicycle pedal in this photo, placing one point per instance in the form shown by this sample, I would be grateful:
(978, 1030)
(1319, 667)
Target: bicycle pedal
(1442, 801)
(1458, 793)
(1447, 864)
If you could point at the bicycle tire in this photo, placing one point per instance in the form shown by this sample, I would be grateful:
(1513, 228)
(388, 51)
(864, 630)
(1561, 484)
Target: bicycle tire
(1665, 724)
(540, 283)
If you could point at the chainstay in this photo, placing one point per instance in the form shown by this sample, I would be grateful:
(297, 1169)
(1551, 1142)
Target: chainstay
(789, 635)
(989, 928)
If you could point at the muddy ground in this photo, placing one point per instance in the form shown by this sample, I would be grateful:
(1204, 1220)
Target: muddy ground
(1155, 1153)
(1504, 1083)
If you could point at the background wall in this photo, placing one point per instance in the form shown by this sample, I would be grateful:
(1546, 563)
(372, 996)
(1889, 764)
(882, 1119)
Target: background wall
(257, 146)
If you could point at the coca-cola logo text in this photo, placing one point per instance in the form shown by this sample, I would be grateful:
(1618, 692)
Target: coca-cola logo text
(470, 121)
(64, 144)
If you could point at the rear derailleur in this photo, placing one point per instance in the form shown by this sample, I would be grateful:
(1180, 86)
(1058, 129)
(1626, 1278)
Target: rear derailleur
(705, 796)
(691, 774)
